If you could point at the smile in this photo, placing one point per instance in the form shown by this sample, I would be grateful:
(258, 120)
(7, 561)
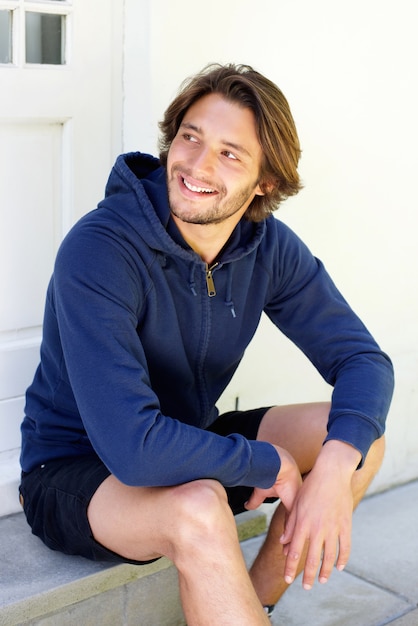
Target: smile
(196, 189)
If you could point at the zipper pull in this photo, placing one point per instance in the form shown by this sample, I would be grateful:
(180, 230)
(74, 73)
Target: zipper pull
(210, 284)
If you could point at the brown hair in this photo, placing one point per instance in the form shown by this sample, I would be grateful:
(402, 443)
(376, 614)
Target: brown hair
(275, 126)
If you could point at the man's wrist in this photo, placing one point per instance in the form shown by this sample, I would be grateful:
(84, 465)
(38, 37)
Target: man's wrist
(340, 454)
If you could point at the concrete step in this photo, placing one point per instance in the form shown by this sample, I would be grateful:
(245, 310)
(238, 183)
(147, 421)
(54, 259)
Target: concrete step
(40, 587)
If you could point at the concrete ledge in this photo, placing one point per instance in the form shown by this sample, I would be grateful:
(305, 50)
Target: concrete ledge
(40, 587)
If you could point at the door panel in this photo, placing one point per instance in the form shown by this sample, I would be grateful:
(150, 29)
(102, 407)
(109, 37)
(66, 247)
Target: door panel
(60, 130)
(30, 220)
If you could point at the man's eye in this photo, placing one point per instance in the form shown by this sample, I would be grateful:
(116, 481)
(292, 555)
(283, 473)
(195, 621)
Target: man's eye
(229, 155)
(189, 137)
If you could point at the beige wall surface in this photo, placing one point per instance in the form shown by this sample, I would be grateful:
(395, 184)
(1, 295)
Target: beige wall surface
(349, 73)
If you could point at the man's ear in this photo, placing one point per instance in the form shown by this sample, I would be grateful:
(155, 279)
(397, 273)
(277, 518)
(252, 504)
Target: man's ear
(264, 188)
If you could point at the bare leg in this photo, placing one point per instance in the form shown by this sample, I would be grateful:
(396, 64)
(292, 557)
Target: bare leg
(283, 426)
(193, 526)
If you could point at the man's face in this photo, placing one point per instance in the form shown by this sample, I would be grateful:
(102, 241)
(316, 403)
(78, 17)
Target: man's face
(214, 162)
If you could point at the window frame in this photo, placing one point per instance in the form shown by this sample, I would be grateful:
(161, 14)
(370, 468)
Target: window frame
(18, 9)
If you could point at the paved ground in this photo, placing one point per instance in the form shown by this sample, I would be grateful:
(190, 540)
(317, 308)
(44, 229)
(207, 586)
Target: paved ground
(380, 584)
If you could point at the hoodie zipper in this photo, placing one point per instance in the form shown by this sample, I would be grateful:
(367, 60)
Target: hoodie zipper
(210, 284)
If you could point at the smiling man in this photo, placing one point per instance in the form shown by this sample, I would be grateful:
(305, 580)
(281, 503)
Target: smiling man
(154, 298)
(227, 172)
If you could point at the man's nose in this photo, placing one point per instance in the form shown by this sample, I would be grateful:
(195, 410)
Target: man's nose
(204, 161)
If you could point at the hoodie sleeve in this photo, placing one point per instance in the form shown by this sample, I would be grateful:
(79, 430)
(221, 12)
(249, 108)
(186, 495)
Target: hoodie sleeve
(308, 308)
(97, 296)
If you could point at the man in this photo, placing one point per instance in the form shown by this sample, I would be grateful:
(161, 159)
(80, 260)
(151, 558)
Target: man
(154, 298)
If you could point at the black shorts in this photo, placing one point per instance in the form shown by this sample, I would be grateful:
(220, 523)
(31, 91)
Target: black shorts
(55, 496)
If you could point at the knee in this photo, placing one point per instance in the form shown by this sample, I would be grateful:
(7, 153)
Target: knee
(199, 504)
(200, 515)
(375, 455)
(364, 476)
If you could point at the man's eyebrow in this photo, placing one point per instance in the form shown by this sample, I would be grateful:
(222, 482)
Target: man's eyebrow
(229, 144)
(190, 126)
(236, 147)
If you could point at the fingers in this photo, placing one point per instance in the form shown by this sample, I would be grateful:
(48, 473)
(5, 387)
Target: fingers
(293, 552)
(289, 528)
(256, 499)
(328, 561)
(316, 557)
(345, 549)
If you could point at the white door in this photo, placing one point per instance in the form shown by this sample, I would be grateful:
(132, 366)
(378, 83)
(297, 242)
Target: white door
(60, 129)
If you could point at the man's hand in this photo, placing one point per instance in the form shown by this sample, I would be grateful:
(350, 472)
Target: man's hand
(321, 516)
(286, 487)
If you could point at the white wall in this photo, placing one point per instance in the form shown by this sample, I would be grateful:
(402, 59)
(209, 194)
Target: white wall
(349, 73)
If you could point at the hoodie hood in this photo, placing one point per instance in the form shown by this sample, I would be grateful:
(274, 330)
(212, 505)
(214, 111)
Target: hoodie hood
(141, 180)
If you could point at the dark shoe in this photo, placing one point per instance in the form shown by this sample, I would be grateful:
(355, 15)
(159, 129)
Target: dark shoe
(269, 608)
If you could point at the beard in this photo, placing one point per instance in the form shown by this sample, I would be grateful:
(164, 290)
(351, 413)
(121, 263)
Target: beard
(214, 210)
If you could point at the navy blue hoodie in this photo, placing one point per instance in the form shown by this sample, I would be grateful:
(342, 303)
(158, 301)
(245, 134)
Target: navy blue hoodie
(135, 352)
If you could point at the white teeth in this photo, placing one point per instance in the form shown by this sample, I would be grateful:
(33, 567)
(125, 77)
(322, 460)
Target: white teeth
(197, 189)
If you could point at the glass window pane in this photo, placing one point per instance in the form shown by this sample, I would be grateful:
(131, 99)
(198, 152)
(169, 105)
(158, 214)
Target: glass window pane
(45, 38)
(5, 36)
